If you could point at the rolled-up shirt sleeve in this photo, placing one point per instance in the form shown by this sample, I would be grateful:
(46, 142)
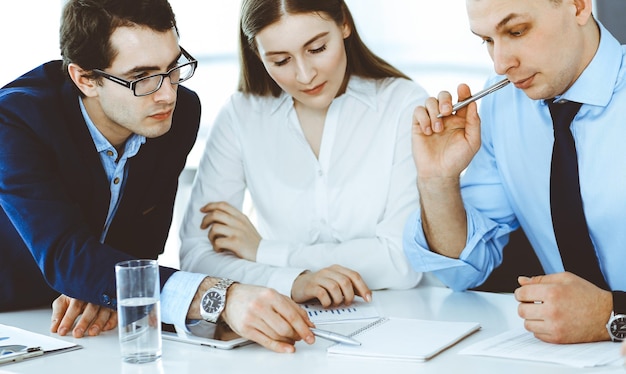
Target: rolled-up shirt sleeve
(479, 257)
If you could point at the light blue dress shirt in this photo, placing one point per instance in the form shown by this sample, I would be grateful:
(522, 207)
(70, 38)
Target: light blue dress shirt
(180, 288)
(507, 184)
(115, 169)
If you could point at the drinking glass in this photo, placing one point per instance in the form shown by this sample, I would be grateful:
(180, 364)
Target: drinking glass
(138, 310)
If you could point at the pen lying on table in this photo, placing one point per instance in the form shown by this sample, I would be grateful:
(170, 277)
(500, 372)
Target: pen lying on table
(471, 99)
(329, 335)
(16, 353)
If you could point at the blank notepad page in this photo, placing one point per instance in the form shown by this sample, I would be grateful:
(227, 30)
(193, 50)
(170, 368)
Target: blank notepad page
(405, 339)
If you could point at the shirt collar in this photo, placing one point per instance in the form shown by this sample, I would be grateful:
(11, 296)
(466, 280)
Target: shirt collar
(595, 85)
(102, 144)
(359, 88)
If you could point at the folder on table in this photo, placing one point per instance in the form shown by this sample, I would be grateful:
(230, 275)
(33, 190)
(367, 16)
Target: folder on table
(18, 344)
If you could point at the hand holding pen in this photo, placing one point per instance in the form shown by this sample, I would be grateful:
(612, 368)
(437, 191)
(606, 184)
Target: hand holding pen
(428, 119)
(442, 148)
(444, 144)
(479, 95)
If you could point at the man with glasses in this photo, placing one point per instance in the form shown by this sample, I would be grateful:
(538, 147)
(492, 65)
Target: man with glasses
(148, 85)
(92, 147)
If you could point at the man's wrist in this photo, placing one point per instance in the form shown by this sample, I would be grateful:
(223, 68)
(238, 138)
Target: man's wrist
(439, 185)
(619, 302)
(224, 316)
(194, 308)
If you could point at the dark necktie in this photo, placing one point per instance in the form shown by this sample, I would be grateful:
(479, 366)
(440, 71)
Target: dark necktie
(570, 228)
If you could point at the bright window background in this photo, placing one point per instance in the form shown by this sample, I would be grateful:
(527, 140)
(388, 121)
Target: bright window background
(407, 33)
(429, 40)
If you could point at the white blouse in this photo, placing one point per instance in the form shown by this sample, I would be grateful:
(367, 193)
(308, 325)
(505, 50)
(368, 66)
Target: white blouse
(347, 207)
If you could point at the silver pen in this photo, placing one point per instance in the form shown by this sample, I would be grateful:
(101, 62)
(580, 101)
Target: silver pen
(17, 353)
(329, 335)
(482, 93)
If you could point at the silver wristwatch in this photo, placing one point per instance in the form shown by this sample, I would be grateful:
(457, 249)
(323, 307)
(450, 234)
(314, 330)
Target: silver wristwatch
(213, 301)
(617, 327)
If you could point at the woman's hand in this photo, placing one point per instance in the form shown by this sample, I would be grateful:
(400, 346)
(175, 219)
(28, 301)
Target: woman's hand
(333, 285)
(230, 230)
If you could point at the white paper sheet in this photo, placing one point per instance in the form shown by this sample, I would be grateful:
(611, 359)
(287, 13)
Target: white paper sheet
(521, 344)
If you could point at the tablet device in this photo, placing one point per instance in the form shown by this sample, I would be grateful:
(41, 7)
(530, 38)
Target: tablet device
(204, 333)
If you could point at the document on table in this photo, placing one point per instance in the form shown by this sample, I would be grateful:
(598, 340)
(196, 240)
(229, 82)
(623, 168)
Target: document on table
(404, 339)
(359, 310)
(521, 344)
(17, 344)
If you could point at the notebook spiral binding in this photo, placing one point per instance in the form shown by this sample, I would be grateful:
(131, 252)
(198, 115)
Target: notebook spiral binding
(378, 322)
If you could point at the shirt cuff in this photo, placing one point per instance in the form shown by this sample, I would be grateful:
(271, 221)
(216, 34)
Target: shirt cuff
(272, 252)
(417, 251)
(282, 279)
(276, 253)
(177, 295)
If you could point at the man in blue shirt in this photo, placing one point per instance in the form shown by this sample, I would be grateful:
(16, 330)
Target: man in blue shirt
(548, 49)
(92, 147)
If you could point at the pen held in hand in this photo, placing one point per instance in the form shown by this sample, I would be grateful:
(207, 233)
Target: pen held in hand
(329, 335)
(483, 93)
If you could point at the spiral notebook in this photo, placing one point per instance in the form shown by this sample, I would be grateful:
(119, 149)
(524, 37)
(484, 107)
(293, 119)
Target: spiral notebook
(405, 339)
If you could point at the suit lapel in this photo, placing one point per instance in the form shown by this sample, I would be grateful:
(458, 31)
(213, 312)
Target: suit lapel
(87, 162)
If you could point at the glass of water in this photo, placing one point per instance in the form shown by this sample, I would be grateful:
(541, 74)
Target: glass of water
(138, 310)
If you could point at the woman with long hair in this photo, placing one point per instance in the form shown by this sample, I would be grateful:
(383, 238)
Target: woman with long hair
(319, 135)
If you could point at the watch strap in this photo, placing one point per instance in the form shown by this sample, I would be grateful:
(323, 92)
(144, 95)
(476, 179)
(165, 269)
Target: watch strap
(619, 302)
(619, 310)
(223, 284)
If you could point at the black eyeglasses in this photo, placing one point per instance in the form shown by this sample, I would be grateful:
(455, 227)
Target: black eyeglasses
(151, 84)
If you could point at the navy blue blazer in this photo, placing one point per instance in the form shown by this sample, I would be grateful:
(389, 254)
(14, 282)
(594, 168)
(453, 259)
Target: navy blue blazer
(54, 194)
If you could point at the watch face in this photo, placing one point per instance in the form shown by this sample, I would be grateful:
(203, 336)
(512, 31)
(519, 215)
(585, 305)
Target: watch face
(212, 302)
(618, 327)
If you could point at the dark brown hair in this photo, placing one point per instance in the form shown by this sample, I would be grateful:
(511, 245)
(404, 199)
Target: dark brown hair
(87, 25)
(258, 14)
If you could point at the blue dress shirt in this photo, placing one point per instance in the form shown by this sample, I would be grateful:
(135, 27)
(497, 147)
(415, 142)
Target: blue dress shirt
(180, 288)
(114, 166)
(507, 184)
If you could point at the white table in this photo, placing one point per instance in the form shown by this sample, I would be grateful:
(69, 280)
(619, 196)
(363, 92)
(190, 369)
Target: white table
(495, 312)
